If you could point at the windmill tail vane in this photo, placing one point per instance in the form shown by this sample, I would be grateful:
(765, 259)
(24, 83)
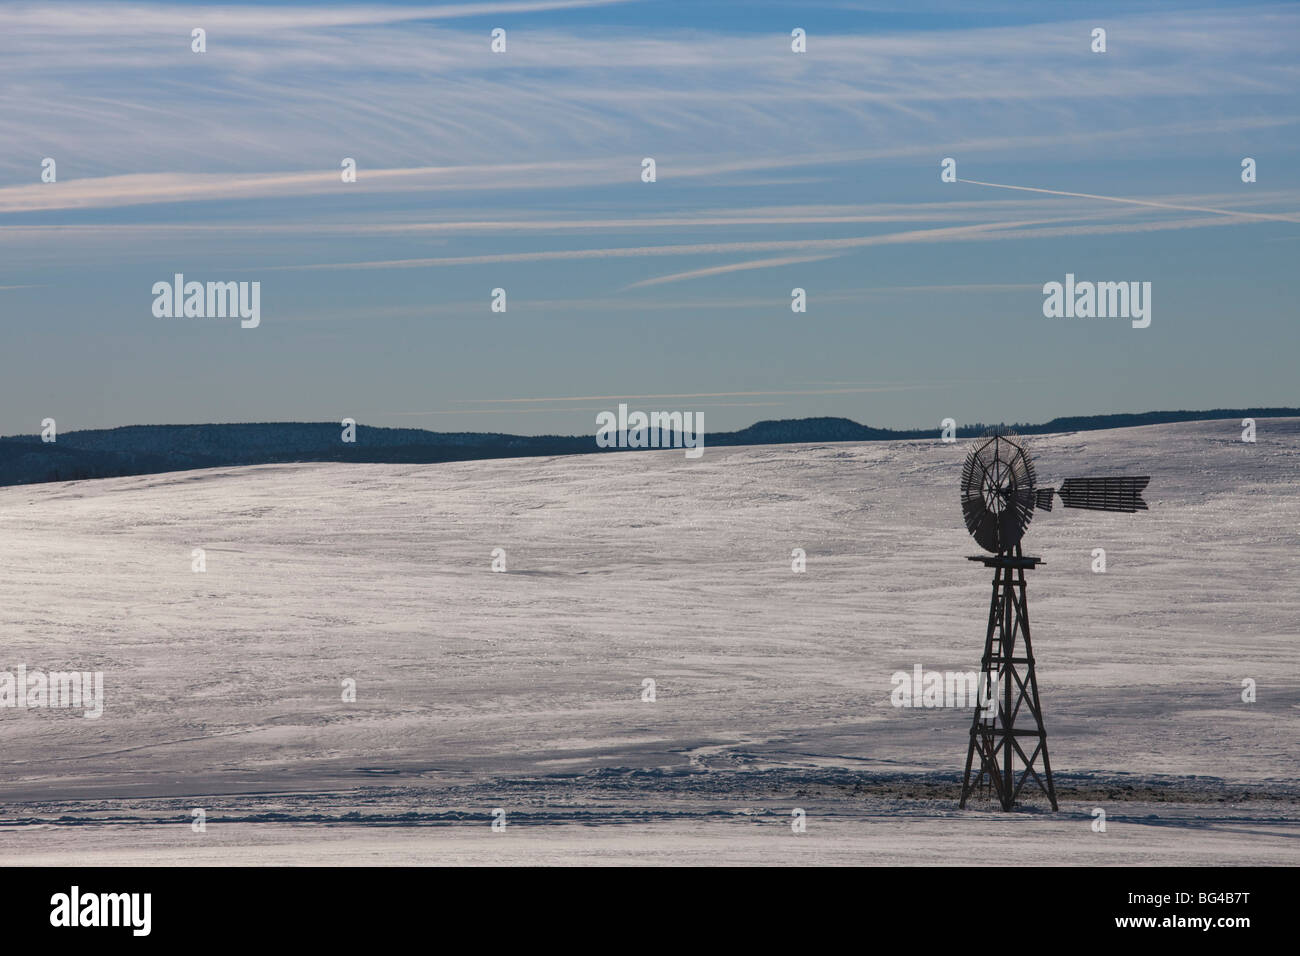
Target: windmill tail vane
(1099, 494)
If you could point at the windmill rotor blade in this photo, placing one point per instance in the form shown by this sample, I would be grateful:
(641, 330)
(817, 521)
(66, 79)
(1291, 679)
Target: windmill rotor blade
(1021, 502)
(1105, 494)
(997, 491)
(1043, 498)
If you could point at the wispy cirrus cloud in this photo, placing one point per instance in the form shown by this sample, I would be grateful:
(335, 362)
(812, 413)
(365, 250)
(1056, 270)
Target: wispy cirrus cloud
(522, 170)
(133, 189)
(690, 249)
(288, 87)
(243, 20)
(1014, 229)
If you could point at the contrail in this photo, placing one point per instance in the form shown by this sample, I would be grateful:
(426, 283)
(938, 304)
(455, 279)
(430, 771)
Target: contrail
(733, 267)
(1138, 202)
(712, 248)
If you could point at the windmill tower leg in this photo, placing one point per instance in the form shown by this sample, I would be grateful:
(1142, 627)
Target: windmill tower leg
(1008, 691)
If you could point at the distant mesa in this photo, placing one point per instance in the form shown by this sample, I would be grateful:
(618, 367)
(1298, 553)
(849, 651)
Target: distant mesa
(152, 449)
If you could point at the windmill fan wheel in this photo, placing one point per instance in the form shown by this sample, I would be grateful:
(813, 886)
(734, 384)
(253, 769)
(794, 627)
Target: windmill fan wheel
(997, 490)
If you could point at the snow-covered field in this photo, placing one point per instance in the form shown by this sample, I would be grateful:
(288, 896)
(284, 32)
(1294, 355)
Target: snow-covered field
(522, 691)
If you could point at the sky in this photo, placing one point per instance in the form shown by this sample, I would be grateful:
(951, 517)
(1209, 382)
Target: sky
(523, 171)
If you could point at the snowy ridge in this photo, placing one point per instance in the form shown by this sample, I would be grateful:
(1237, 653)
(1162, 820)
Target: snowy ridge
(523, 690)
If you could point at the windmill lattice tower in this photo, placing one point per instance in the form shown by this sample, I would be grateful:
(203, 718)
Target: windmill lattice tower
(998, 499)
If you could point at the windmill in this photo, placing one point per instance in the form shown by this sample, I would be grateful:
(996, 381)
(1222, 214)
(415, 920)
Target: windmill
(998, 499)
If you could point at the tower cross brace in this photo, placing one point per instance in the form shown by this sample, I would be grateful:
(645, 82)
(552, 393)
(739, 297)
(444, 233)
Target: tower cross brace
(1008, 685)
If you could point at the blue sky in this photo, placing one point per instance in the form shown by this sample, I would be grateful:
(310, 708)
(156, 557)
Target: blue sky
(521, 171)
